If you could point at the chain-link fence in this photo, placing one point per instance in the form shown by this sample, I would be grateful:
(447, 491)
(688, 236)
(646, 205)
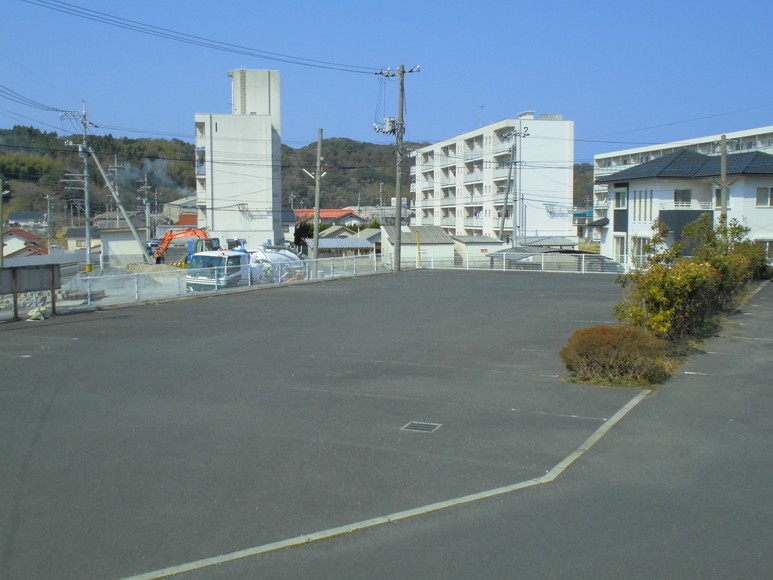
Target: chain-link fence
(112, 286)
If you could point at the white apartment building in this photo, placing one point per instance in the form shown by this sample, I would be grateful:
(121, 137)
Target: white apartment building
(238, 162)
(606, 164)
(677, 182)
(517, 169)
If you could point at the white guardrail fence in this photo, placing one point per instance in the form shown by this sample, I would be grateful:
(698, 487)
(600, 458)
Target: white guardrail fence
(115, 286)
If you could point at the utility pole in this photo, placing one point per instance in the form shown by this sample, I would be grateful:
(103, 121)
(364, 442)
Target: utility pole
(507, 189)
(317, 176)
(398, 130)
(3, 191)
(519, 206)
(135, 233)
(113, 169)
(381, 201)
(84, 152)
(723, 186)
(49, 221)
(144, 188)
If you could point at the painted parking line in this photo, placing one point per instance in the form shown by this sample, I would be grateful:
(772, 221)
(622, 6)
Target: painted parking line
(549, 476)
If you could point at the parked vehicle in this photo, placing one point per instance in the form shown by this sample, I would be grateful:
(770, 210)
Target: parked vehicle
(213, 270)
(272, 265)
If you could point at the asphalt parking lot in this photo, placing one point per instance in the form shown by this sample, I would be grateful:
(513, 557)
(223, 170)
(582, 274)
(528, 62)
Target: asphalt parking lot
(143, 438)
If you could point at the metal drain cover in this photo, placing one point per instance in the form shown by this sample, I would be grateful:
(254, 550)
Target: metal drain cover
(421, 426)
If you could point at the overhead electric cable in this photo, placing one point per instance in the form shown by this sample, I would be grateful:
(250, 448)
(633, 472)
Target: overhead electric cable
(20, 99)
(151, 30)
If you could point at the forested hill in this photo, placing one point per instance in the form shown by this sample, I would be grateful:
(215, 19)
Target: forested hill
(36, 164)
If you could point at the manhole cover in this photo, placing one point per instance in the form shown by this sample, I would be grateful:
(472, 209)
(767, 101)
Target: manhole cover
(421, 426)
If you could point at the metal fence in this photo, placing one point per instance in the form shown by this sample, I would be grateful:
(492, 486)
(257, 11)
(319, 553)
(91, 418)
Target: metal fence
(114, 286)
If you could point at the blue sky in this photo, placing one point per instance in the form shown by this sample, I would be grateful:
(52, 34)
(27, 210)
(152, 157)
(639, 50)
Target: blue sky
(627, 73)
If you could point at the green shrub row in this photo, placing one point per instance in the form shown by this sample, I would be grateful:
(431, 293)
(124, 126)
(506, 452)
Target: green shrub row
(672, 298)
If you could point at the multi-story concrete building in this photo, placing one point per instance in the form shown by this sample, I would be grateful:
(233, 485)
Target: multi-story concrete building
(517, 169)
(625, 209)
(238, 168)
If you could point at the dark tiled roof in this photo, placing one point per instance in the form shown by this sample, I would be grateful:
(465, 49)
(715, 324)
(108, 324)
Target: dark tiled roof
(690, 165)
(750, 163)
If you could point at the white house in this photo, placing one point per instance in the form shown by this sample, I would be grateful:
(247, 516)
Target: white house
(17, 239)
(676, 189)
(238, 168)
(517, 169)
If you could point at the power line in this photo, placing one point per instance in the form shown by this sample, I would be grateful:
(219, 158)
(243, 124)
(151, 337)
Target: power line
(20, 99)
(201, 41)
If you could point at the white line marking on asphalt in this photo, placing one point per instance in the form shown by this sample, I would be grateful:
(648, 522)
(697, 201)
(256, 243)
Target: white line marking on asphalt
(694, 373)
(549, 476)
(562, 415)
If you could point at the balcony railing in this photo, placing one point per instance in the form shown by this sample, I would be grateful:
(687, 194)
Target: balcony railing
(694, 204)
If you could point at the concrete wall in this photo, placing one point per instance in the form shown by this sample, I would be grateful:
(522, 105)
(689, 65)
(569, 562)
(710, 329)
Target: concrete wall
(119, 248)
(238, 189)
(460, 182)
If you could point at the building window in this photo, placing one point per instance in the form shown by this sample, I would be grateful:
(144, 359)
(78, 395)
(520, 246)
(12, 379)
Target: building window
(718, 198)
(639, 255)
(682, 197)
(619, 250)
(764, 197)
(621, 199)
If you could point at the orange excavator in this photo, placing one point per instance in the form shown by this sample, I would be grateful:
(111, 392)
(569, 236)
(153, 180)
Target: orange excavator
(204, 243)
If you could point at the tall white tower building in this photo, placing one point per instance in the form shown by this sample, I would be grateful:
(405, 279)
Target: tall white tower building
(238, 162)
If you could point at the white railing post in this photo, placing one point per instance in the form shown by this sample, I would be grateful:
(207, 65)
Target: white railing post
(136, 287)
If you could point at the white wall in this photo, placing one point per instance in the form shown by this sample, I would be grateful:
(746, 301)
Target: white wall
(543, 175)
(742, 197)
(119, 248)
(239, 194)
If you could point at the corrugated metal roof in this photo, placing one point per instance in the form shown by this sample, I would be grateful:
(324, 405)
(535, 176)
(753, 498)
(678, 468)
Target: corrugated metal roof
(476, 239)
(549, 241)
(342, 244)
(427, 235)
